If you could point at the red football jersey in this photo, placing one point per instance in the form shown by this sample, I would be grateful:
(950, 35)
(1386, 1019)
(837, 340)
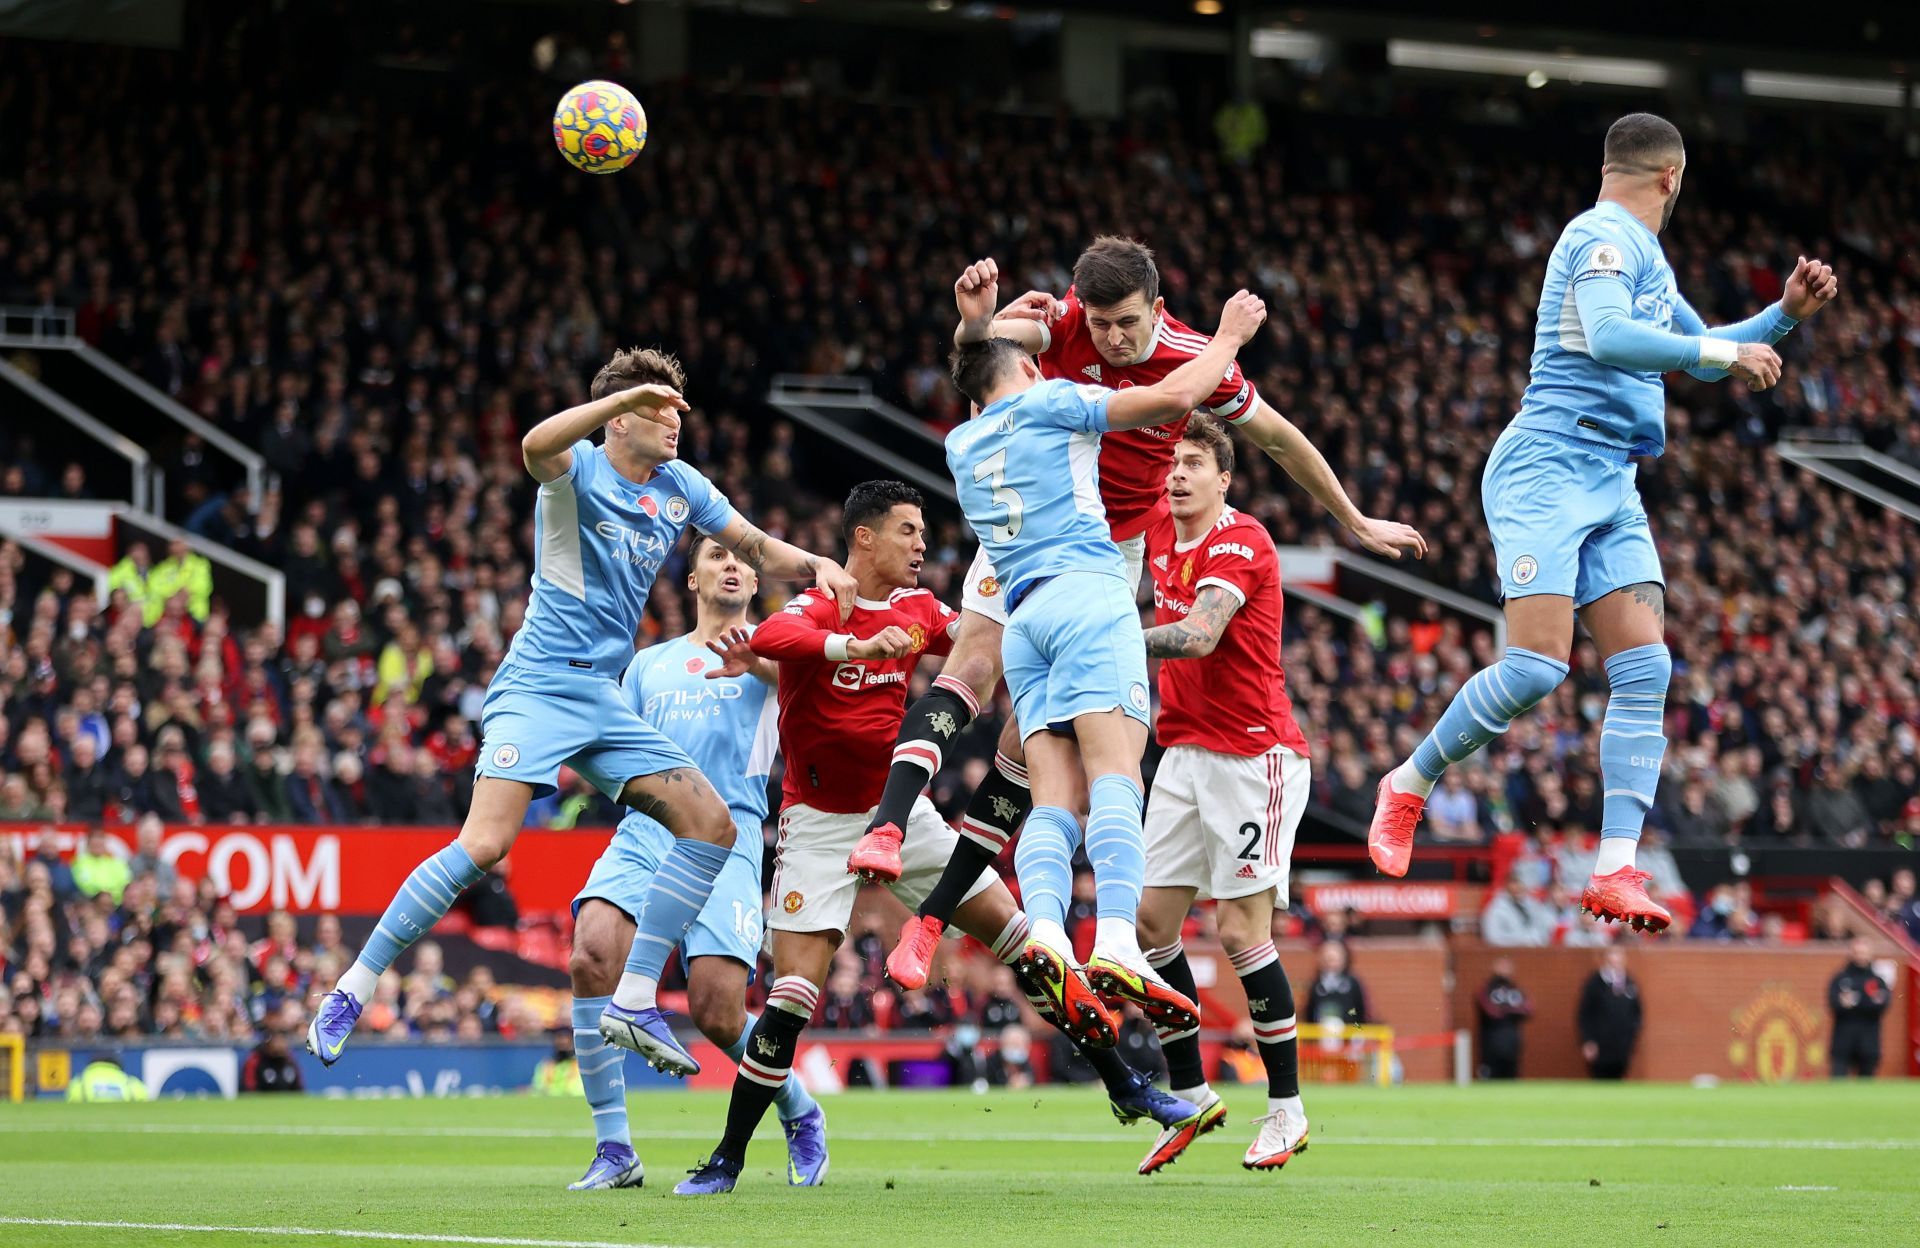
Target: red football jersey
(1134, 462)
(1233, 701)
(839, 716)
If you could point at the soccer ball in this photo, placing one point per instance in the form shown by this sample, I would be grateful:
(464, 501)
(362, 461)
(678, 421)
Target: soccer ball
(599, 127)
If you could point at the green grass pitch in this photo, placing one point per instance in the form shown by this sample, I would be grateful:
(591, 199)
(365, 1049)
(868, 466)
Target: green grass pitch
(1543, 1163)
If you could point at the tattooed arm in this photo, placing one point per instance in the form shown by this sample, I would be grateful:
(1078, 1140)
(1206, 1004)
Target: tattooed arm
(1197, 635)
(773, 557)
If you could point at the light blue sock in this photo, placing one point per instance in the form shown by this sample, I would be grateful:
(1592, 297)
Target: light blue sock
(792, 1100)
(672, 902)
(1485, 706)
(1116, 846)
(602, 1072)
(1043, 863)
(423, 899)
(1633, 738)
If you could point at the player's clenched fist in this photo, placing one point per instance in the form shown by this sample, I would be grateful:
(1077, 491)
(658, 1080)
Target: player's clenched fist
(1242, 317)
(891, 642)
(1757, 364)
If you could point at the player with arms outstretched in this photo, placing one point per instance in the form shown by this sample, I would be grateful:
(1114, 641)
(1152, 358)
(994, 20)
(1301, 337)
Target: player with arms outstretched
(1112, 330)
(843, 687)
(1569, 531)
(726, 725)
(1029, 483)
(605, 520)
(1232, 785)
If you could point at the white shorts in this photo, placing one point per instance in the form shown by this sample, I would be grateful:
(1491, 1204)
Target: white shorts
(984, 594)
(812, 891)
(1224, 823)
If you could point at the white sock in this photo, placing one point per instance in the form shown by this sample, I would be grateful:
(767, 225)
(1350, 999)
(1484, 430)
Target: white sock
(1406, 778)
(636, 992)
(1615, 852)
(1199, 1094)
(1292, 1104)
(1116, 935)
(1052, 935)
(360, 981)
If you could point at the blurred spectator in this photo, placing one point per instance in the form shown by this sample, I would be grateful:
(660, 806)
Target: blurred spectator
(1240, 1056)
(1010, 1065)
(1512, 918)
(558, 1074)
(1337, 997)
(1453, 812)
(98, 869)
(1857, 996)
(1503, 1009)
(271, 1067)
(185, 573)
(1609, 1017)
(146, 858)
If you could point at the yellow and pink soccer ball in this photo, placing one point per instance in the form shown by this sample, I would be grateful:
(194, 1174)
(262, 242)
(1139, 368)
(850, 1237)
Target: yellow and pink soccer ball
(599, 127)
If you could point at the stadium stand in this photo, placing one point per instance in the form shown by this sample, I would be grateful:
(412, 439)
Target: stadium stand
(382, 321)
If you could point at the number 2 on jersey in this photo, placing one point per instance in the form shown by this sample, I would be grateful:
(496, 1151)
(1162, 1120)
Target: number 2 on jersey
(993, 470)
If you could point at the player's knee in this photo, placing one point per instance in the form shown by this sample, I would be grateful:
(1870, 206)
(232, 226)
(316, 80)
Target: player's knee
(1526, 678)
(486, 842)
(1244, 926)
(712, 822)
(720, 1016)
(593, 964)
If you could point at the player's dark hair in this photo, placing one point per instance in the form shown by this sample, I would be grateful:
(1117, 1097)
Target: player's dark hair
(638, 366)
(1206, 431)
(1113, 268)
(1644, 143)
(870, 501)
(977, 367)
(693, 547)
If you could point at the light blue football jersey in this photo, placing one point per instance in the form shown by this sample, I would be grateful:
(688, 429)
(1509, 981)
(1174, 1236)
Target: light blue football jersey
(1028, 472)
(599, 540)
(728, 726)
(1570, 392)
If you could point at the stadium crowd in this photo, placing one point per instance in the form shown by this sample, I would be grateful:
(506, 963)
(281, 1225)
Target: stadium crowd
(383, 320)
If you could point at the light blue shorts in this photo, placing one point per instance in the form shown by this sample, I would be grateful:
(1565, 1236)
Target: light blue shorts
(729, 926)
(533, 721)
(1565, 517)
(1073, 647)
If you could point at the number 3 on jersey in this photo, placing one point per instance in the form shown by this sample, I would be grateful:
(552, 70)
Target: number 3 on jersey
(993, 470)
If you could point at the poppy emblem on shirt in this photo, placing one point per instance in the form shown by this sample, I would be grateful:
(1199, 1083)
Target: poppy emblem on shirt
(696, 665)
(506, 756)
(989, 586)
(648, 505)
(792, 902)
(677, 509)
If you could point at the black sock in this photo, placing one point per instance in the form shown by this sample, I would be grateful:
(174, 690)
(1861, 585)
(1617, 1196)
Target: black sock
(1111, 1067)
(993, 816)
(1182, 1048)
(930, 726)
(764, 1066)
(1270, 1004)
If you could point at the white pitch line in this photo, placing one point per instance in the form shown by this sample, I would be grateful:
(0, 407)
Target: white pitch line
(318, 1232)
(101, 1126)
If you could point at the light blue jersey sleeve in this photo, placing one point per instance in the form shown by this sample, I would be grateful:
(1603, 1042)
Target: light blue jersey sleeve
(1769, 325)
(711, 510)
(1078, 408)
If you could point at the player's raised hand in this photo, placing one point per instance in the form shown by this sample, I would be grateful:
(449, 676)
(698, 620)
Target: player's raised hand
(660, 404)
(1758, 365)
(891, 642)
(735, 648)
(975, 294)
(1035, 305)
(832, 580)
(1387, 538)
(1812, 286)
(1241, 319)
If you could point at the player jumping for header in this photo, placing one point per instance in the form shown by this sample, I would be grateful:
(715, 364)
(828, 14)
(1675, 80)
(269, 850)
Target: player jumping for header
(1029, 484)
(1569, 532)
(605, 519)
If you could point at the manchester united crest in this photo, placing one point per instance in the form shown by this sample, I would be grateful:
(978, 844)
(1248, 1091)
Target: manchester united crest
(989, 586)
(1776, 1037)
(792, 902)
(1186, 573)
(917, 634)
